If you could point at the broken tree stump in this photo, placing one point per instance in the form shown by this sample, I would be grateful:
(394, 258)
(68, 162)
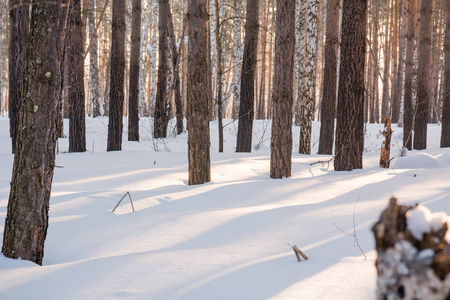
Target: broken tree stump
(386, 145)
(413, 254)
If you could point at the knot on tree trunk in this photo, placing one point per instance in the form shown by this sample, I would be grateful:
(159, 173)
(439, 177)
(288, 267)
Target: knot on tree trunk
(413, 254)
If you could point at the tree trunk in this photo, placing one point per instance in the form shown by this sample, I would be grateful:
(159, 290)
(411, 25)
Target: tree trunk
(395, 98)
(18, 32)
(154, 45)
(116, 93)
(237, 58)
(328, 111)
(197, 85)
(385, 101)
(445, 134)
(160, 116)
(300, 48)
(262, 87)
(350, 124)
(133, 102)
(77, 124)
(246, 107)
(409, 69)
(282, 97)
(219, 74)
(307, 104)
(423, 75)
(2, 16)
(375, 107)
(27, 216)
(94, 79)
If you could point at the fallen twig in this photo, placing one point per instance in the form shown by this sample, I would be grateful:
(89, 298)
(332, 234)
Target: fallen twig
(131, 201)
(298, 253)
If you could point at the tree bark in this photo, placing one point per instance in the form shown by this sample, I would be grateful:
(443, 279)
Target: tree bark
(350, 108)
(395, 98)
(445, 134)
(94, 76)
(18, 32)
(133, 102)
(246, 106)
(27, 216)
(282, 97)
(328, 111)
(2, 16)
(162, 98)
(198, 94)
(409, 69)
(77, 123)
(117, 76)
(423, 76)
(386, 100)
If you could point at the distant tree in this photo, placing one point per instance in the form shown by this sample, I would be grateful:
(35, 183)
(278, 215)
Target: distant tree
(386, 100)
(27, 216)
(350, 108)
(282, 96)
(409, 68)
(94, 80)
(423, 76)
(198, 94)
(246, 105)
(117, 68)
(161, 117)
(234, 87)
(328, 111)
(18, 32)
(77, 123)
(135, 55)
(2, 16)
(445, 135)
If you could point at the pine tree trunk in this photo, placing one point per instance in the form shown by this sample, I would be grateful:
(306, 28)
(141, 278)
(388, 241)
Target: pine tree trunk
(94, 77)
(18, 32)
(373, 106)
(409, 69)
(300, 48)
(197, 85)
(219, 75)
(423, 76)
(328, 110)
(385, 101)
(445, 134)
(282, 97)
(133, 102)
(395, 99)
(77, 124)
(116, 93)
(27, 216)
(246, 106)
(162, 97)
(350, 124)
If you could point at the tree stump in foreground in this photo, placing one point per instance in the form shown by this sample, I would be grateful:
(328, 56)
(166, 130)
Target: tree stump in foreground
(413, 254)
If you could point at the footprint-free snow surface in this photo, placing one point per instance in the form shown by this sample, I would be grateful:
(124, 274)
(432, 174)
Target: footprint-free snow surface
(227, 239)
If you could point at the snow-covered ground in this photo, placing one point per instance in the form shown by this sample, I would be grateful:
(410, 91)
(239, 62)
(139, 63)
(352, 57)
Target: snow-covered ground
(223, 240)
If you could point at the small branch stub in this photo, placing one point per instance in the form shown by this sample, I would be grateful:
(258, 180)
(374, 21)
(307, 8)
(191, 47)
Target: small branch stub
(298, 253)
(131, 201)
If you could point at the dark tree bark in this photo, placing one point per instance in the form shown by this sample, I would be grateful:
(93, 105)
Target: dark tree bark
(198, 94)
(27, 217)
(219, 69)
(18, 32)
(176, 74)
(350, 108)
(445, 134)
(423, 76)
(77, 123)
(161, 117)
(117, 76)
(283, 91)
(374, 103)
(133, 102)
(328, 110)
(409, 68)
(246, 106)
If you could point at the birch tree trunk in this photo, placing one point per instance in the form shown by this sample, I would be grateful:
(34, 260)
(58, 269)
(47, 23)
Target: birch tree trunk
(94, 80)
(306, 110)
(154, 52)
(300, 48)
(282, 97)
(235, 87)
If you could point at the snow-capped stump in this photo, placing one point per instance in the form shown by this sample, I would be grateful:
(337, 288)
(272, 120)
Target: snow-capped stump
(413, 253)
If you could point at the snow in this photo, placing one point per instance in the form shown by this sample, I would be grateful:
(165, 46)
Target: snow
(420, 220)
(226, 239)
